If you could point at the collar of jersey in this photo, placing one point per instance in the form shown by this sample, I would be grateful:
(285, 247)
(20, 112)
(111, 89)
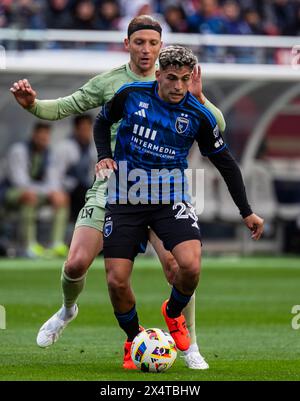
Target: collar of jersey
(164, 102)
(136, 77)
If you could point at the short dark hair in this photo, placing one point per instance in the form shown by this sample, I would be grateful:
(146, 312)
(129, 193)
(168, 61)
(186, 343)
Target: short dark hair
(40, 126)
(177, 56)
(82, 117)
(143, 22)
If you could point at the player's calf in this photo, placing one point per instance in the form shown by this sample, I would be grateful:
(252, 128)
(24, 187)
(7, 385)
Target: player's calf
(188, 255)
(118, 273)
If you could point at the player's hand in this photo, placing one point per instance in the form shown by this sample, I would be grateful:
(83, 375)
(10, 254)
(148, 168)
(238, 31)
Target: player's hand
(105, 167)
(255, 225)
(196, 85)
(23, 93)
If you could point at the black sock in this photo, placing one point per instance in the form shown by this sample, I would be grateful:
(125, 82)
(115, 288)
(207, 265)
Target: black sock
(177, 302)
(129, 322)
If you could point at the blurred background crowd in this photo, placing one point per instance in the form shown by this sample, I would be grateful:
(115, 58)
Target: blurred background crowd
(272, 17)
(37, 172)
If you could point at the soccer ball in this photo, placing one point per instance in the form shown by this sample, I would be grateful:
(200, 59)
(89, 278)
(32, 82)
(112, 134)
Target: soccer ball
(153, 350)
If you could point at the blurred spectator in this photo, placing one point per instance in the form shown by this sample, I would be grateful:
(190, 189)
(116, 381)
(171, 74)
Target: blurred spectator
(285, 13)
(254, 21)
(32, 181)
(3, 17)
(76, 157)
(131, 8)
(139, 7)
(208, 18)
(5, 13)
(57, 14)
(176, 19)
(233, 21)
(27, 14)
(298, 21)
(83, 15)
(108, 15)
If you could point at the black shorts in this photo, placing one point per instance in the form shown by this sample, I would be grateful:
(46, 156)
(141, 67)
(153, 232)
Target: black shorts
(126, 227)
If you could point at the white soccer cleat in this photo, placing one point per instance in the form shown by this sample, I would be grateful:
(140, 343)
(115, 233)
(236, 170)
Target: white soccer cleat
(193, 359)
(52, 329)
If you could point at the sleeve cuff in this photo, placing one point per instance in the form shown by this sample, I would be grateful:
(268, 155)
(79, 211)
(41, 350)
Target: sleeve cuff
(33, 107)
(246, 212)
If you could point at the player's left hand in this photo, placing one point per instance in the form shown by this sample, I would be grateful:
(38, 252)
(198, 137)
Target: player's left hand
(255, 225)
(196, 85)
(105, 167)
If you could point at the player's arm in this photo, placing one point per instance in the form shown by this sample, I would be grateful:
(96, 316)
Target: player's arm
(87, 97)
(196, 89)
(233, 178)
(212, 145)
(110, 113)
(216, 112)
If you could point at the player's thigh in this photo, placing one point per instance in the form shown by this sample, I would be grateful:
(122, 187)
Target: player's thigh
(175, 224)
(87, 240)
(86, 244)
(91, 215)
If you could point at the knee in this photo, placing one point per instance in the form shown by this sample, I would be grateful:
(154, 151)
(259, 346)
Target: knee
(29, 198)
(58, 199)
(191, 266)
(76, 266)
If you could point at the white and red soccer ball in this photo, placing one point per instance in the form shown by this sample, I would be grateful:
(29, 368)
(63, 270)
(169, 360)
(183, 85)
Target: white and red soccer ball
(153, 350)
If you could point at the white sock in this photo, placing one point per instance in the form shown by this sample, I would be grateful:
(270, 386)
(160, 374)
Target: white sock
(65, 313)
(192, 348)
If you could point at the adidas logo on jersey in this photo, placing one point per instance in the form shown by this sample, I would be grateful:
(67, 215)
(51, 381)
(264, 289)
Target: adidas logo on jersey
(141, 113)
(219, 143)
(146, 133)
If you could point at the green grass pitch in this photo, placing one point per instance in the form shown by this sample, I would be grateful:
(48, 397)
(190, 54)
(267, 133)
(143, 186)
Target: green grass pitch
(243, 321)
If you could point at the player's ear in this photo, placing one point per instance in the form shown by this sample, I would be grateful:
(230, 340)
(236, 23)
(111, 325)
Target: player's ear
(157, 74)
(126, 43)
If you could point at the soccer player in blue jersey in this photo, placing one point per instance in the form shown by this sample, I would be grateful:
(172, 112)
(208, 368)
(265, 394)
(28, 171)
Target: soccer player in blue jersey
(160, 122)
(143, 43)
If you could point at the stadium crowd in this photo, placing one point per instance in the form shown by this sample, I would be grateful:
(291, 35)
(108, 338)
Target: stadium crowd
(269, 17)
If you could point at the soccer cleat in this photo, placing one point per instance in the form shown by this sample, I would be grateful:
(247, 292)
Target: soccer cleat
(59, 250)
(193, 359)
(35, 251)
(177, 328)
(51, 330)
(127, 361)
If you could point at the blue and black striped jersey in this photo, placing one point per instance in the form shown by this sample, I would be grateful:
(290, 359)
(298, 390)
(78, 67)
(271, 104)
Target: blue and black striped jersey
(154, 134)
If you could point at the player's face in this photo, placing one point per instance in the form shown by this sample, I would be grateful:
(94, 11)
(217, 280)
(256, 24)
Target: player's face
(173, 83)
(84, 131)
(143, 46)
(41, 139)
